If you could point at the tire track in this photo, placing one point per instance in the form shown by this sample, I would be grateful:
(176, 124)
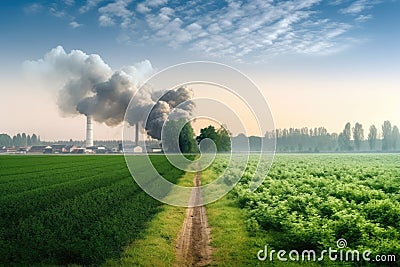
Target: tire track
(193, 248)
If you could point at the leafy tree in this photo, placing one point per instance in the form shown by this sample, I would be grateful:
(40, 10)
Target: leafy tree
(5, 140)
(387, 135)
(372, 137)
(210, 133)
(221, 138)
(395, 137)
(185, 143)
(224, 139)
(344, 139)
(34, 140)
(358, 135)
(23, 139)
(347, 135)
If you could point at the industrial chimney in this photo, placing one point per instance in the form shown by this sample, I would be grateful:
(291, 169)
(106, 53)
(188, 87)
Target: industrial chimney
(137, 134)
(89, 131)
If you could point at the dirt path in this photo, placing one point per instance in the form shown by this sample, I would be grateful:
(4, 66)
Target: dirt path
(193, 248)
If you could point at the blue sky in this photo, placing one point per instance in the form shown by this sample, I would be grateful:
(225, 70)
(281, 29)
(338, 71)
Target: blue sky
(171, 31)
(285, 46)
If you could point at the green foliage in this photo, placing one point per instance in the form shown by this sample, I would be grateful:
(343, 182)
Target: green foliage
(18, 140)
(344, 139)
(220, 137)
(186, 142)
(358, 135)
(387, 135)
(372, 137)
(310, 202)
(72, 209)
(5, 140)
(395, 137)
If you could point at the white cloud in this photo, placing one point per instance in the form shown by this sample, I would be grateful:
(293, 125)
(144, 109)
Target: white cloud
(242, 28)
(90, 4)
(156, 3)
(363, 18)
(148, 5)
(75, 24)
(233, 28)
(117, 10)
(33, 8)
(56, 12)
(106, 20)
(69, 2)
(358, 6)
(142, 8)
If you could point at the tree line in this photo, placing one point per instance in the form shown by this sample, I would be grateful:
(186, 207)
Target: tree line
(318, 139)
(188, 142)
(351, 138)
(19, 140)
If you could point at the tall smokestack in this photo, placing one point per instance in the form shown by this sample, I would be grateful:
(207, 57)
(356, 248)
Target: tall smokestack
(89, 131)
(137, 134)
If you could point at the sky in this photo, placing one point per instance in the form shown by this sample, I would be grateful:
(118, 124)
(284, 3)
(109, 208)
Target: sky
(318, 63)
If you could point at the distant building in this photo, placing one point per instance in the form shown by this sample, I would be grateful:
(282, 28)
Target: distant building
(36, 149)
(48, 150)
(154, 149)
(79, 150)
(101, 150)
(70, 148)
(58, 148)
(138, 149)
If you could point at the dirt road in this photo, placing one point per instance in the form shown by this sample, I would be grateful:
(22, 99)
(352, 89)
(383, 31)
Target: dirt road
(193, 248)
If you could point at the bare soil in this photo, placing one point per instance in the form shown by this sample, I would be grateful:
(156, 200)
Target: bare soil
(193, 248)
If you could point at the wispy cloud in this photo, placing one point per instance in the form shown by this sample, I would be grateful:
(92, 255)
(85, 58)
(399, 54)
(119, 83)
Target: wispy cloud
(33, 8)
(232, 28)
(69, 2)
(359, 6)
(54, 11)
(241, 29)
(89, 5)
(363, 18)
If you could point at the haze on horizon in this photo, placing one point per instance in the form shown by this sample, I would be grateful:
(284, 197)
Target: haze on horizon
(321, 63)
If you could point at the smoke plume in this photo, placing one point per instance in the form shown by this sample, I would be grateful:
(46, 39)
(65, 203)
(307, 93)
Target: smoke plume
(158, 107)
(87, 85)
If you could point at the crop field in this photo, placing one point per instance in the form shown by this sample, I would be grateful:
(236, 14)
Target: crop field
(87, 210)
(311, 201)
(71, 209)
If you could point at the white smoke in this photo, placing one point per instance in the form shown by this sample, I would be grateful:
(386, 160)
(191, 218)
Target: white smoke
(153, 109)
(87, 85)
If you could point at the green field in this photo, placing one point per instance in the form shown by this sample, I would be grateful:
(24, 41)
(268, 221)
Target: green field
(311, 201)
(71, 209)
(87, 210)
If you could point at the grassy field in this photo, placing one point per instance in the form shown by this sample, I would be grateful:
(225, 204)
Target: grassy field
(87, 210)
(72, 209)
